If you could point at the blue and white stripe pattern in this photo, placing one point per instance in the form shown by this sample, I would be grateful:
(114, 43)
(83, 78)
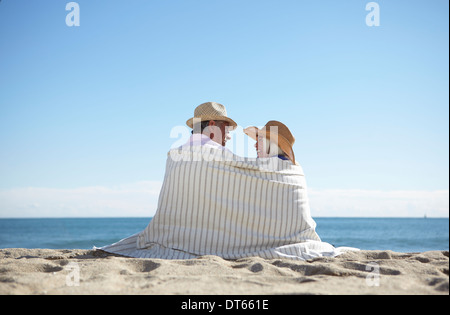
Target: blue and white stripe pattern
(213, 202)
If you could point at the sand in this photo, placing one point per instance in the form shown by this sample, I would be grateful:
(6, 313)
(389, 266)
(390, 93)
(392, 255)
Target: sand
(48, 271)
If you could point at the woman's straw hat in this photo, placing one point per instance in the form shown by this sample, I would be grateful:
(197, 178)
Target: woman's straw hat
(210, 111)
(277, 132)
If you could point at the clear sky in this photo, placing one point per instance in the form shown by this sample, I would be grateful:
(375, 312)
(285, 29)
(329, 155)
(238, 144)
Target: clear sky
(88, 113)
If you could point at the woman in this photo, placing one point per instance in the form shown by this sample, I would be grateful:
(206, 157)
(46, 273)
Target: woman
(274, 139)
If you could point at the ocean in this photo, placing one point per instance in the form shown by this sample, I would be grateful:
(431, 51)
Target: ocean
(396, 234)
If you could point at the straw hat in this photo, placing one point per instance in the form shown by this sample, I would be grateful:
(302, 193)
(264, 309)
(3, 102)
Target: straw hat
(210, 111)
(277, 132)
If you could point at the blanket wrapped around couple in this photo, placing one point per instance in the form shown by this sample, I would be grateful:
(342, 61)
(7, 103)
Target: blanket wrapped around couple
(213, 202)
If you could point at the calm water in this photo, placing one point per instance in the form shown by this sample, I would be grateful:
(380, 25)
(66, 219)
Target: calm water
(397, 234)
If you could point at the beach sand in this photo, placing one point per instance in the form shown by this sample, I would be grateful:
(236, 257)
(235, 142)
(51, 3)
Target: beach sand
(48, 271)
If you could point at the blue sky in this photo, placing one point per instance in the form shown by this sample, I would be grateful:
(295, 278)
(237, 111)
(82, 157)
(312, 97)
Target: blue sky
(95, 105)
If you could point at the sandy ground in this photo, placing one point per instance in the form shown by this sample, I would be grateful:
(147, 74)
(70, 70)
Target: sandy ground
(48, 271)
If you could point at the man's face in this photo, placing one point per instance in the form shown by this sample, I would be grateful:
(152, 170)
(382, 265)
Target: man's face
(218, 131)
(224, 135)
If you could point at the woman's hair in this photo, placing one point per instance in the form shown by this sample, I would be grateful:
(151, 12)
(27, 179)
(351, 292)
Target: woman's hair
(272, 149)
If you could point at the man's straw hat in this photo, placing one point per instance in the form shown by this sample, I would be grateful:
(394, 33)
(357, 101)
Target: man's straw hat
(210, 111)
(277, 132)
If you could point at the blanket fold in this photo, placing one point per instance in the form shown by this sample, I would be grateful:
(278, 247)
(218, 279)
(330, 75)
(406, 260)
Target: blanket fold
(213, 202)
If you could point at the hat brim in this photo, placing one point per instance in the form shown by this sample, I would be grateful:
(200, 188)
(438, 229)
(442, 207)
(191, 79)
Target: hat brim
(252, 132)
(281, 141)
(190, 122)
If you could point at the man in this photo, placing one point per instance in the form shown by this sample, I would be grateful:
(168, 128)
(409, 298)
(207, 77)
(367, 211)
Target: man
(210, 125)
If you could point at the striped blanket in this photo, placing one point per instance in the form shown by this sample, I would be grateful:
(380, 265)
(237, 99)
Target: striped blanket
(213, 202)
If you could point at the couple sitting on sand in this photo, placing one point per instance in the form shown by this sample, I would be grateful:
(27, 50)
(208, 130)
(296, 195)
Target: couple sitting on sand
(213, 202)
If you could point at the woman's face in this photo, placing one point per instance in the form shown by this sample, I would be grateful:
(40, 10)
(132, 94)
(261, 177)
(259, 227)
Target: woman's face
(260, 146)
